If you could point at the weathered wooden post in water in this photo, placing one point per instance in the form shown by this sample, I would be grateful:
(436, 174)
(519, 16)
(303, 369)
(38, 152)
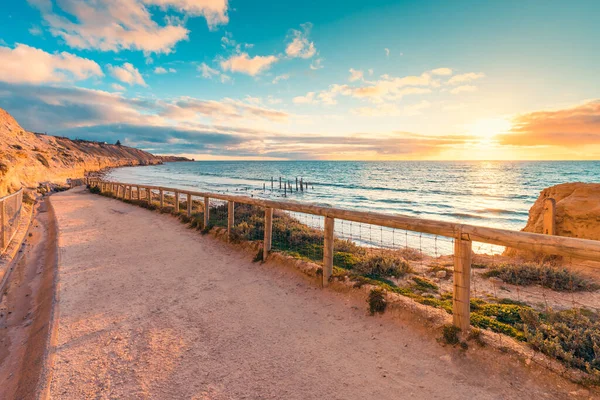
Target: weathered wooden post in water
(271, 184)
(177, 202)
(461, 307)
(230, 210)
(189, 205)
(296, 184)
(268, 232)
(206, 211)
(279, 183)
(301, 185)
(328, 251)
(549, 217)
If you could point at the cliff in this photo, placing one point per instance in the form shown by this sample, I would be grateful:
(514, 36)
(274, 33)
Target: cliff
(577, 210)
(27, 158)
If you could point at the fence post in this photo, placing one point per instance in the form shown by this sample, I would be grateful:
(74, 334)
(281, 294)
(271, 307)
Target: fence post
(549, 217)
(149, 194)
(177, 202)
(124, 191)
(461, 307)
(2, 226)
(162, 198)
(230, 217)
(206, 211)
(328, 251)
(189, 205)
(268, 232)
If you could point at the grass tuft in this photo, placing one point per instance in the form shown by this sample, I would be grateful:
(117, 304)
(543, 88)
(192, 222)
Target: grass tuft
(377, 302)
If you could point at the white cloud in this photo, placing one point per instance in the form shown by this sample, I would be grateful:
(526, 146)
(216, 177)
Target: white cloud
(465, 78)
(387, 52)
(308, 99)
(279, 78)
(25, 64)
(442, 71)
(356, 75)
(111, 25)
(316, 64)
(161, 70)
(127, 73)
(209, 73)
(245, 64)
(36, 30)
(300, 46)
(464, 88)
(118, 88)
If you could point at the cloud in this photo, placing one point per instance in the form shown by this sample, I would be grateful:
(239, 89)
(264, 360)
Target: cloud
(111, 25)
(300, 46)
(387, 88)
(117, 87)
(161, 70)
(464, 88)
(392, 110)
(245, 64)
(279, 78)
(571, 127)
(25, 64)
(181, 126)
(465, 78)
(127, 73)
(387, 52)
(356, 75)
(316, 64)
(36, 30)
(442, 71)
(209, 73)
(307, 99)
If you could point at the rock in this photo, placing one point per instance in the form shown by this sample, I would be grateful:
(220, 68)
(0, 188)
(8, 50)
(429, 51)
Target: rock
(441, 274)
(28, 158)
(577, 210)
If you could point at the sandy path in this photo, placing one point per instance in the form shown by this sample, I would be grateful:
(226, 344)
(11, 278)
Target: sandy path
(150, 309)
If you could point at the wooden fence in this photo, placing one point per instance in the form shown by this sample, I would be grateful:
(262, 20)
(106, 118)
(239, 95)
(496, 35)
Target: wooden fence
(463, 234)
(10, 216)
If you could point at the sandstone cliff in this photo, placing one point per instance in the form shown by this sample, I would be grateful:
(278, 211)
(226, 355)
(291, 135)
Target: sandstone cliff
(577, 210)
(27, 158)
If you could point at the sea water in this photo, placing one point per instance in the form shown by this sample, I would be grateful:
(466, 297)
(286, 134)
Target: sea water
(490, 193)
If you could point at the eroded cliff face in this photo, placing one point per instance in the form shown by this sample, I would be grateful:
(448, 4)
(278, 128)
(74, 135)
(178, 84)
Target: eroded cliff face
(26, 158)
(577, 210)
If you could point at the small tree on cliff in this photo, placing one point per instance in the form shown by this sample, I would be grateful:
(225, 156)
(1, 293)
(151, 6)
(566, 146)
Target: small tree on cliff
(118, 143)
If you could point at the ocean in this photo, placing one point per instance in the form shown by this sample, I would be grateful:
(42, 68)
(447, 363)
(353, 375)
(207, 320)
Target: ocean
(491, 193)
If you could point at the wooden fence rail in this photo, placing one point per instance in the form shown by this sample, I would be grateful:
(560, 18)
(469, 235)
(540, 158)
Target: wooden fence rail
(463, 234)
(10, 216)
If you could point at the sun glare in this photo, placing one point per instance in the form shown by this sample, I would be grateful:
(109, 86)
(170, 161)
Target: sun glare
(487, 128)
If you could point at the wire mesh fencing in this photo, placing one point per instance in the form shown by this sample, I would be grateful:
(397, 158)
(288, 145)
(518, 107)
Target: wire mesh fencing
(298, 234)
(10, 214)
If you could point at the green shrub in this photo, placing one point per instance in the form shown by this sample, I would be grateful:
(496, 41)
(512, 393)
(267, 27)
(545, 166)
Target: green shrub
(345, 260)
(377, 302)
(560, 279)
(382, 265)
(571, 336)
(424, 284)
(94, 189)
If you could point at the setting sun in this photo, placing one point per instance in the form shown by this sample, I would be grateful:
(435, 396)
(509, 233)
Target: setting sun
(486, 129)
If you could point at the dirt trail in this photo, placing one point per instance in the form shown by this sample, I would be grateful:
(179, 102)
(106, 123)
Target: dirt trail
(150, 309)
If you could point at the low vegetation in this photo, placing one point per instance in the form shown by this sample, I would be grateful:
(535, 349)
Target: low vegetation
(555, 278)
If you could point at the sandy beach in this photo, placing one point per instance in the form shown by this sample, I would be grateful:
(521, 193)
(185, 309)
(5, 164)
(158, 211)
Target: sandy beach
(149, 309)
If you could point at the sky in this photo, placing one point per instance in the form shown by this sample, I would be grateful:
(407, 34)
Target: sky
(336, 80)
